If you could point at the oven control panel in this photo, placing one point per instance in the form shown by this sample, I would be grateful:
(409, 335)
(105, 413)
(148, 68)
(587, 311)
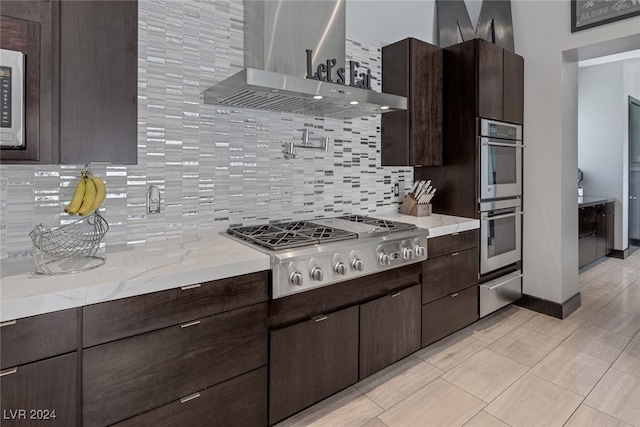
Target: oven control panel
(344, 261)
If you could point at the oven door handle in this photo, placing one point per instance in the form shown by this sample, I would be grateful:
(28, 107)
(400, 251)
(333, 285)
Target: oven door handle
(509, 215)
(503, 144)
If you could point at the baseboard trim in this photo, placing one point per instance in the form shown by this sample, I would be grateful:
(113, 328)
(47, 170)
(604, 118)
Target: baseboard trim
(550, 308)
(616, 253)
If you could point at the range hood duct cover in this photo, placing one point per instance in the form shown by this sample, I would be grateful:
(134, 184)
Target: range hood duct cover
(276, 35)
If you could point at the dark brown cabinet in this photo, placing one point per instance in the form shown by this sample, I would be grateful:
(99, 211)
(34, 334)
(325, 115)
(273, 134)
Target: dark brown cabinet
(179, 344)
(127, 377)
(413, 68)
(596, 232)
(241, 401)
(44, 392)
(84, 106)
(500, 85)
(389, 329)
(31, 28)
(98, 82)
(312, 360)
(449, 285)
(38, 381)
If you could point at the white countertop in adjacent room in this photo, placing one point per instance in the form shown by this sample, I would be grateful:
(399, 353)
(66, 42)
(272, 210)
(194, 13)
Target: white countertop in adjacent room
(156, 266)
(129, 271)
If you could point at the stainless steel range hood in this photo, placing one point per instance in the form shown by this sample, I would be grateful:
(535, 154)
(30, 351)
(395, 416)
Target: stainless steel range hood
(277, 34)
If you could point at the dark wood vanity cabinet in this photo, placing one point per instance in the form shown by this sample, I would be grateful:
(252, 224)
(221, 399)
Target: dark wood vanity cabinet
(81, 99)
(181, 345)
(596, 232)
(449, 285)
(413, 68)
(39, 376)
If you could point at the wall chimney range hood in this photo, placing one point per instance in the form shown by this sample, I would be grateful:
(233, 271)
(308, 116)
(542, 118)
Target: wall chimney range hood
(277, 34)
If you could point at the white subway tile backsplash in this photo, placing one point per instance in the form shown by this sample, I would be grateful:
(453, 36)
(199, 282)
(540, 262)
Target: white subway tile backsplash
(214, 166)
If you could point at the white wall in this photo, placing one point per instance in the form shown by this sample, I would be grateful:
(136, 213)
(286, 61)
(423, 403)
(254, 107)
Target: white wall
(543, 37)
(601, 151)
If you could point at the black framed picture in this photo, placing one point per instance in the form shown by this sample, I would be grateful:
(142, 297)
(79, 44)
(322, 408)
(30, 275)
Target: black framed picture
(591, 13)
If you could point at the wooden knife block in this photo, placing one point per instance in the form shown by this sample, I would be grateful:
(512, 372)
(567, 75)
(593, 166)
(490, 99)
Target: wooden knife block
(411, 207)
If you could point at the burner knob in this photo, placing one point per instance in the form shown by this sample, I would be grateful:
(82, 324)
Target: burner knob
(421, 250)
(316, 274)
(408, 253)
(357, 264)
(384, 259)
(340, 268)
(295, 278)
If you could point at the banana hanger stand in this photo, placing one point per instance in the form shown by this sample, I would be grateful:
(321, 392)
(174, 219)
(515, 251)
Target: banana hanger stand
(70, 248)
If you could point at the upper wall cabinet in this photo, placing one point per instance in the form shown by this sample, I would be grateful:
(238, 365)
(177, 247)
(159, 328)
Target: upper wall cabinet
(98, 81)
(87, 95)
(413, 68)
(500, 85)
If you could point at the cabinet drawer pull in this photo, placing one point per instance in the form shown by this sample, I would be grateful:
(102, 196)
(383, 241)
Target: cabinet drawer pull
(9, 371)
(455, 254)
(395, 295)
(187, 287)
(190, 397)
(319, 318)
(186, 325)
(8, 323)
(454, 295)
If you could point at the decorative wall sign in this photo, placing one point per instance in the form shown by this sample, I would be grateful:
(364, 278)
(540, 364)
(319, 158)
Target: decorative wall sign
(591, 13)
(324, 72)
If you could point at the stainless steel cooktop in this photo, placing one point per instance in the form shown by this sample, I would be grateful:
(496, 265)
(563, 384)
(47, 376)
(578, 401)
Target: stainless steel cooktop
(310, 254)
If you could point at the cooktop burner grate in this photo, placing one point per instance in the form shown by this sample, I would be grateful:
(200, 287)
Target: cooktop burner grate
(290, 234)
(380, 223)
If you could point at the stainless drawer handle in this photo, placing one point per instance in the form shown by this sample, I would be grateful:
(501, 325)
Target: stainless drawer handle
(319, 318)
(190, 397)
(455, 254)
(454, 295)
(194, 286)
(8, 323)
(509, 215)
(186, 325)
(396, 294)
(9, 371)
(502, 283)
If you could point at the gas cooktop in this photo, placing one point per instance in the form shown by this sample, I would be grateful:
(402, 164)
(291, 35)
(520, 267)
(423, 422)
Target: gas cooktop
(310, 254)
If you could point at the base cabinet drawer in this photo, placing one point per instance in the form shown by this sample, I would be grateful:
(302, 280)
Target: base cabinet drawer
(41, 393)
(241, 402)
(312, 360)
(500, 292)
(124, 378)
(389, 329)
(449, 314)
(38, 337)
(449, 273)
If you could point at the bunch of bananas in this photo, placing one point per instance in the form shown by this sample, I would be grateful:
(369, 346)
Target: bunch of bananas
(88, 196)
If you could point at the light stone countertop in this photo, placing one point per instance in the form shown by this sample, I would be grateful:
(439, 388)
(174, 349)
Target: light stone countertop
(130, 271)
(157, 266)
(438, 225)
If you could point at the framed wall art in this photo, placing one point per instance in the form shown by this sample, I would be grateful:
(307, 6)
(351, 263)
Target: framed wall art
(591, 13)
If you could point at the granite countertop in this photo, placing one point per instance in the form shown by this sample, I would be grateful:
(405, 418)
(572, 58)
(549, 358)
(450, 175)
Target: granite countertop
(156, 266)
(583, 202)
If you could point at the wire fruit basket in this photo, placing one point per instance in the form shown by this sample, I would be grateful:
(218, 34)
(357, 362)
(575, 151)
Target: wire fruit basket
(70, 248)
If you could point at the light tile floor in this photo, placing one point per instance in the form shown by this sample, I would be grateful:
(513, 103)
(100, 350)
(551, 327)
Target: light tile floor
(514, 368)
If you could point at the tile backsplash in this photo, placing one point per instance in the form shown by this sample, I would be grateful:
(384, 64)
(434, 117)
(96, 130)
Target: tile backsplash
(214, 166)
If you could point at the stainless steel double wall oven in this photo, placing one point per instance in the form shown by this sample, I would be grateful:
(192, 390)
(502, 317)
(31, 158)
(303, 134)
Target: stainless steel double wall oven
(500, 206)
